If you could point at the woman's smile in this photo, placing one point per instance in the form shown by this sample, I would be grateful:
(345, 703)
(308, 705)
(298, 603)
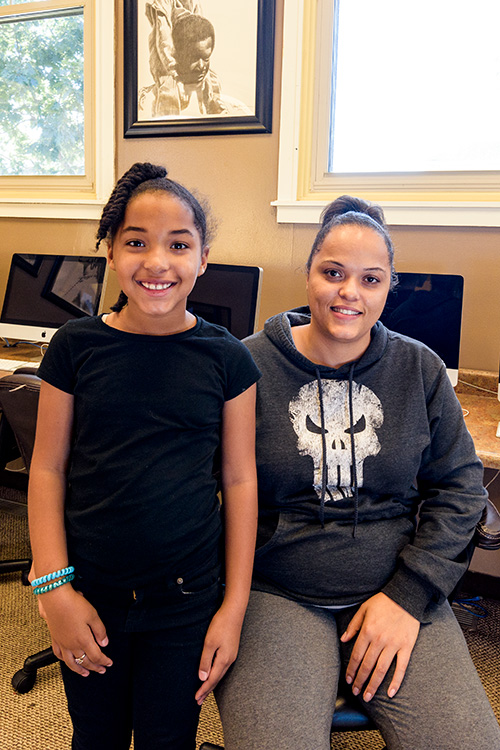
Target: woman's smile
(345, 311)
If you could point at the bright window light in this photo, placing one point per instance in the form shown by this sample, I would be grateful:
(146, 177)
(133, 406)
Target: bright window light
(415, 86)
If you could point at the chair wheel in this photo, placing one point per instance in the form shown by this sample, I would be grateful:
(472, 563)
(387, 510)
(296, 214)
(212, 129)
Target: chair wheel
(22, 682)
(24, 578)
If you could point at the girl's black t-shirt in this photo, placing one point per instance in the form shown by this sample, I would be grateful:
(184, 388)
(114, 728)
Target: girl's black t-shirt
(142, 499)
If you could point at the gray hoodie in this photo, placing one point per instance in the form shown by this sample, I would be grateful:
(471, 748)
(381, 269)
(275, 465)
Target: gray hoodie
(338, 517)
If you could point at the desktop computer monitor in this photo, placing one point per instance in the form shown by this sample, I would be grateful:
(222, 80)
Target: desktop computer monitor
(44, 291)
(428, 307)
(228, 295)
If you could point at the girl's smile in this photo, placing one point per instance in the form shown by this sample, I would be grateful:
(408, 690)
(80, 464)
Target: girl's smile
(157, 256)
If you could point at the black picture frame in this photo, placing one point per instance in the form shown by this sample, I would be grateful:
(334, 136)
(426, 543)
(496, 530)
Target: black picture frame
(258, 122)
(29, 263)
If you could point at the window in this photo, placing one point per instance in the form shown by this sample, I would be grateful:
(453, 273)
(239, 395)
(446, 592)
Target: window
(395, 102)
(57, 96)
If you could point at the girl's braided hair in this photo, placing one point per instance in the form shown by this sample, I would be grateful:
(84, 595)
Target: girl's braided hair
(347, 210)
(143, 177)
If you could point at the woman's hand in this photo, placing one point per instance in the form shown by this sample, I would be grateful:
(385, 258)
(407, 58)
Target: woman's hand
(386, 631)
(76, 630)
(220, 649)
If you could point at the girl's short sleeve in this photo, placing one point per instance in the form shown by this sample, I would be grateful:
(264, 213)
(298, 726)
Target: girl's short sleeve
(56, 367)
(242, 372)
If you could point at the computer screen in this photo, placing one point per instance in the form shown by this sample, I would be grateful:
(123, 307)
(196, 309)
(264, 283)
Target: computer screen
(228, 295)
(44, 291)
(428, 307)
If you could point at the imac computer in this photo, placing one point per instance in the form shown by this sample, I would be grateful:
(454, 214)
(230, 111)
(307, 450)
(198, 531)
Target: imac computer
(228, 295)
(44, 291)
(428, 307)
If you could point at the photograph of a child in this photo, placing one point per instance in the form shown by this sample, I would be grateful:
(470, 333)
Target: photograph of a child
(192, 62)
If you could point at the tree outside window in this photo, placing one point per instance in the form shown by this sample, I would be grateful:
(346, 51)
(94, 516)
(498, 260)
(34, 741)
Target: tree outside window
(42, 93)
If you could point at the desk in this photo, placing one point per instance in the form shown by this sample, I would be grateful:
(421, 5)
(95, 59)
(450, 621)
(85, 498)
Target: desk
(22, 352)
(483, 416)
(483, 409)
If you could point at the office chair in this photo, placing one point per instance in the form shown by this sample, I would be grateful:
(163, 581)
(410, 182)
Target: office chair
(18, 404)
(349, 714)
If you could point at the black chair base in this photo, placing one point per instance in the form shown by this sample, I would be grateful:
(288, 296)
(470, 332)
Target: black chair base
(15, 566)
(24, 679)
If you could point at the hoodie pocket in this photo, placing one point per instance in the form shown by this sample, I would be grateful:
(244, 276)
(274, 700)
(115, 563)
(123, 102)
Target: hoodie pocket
(270, 541)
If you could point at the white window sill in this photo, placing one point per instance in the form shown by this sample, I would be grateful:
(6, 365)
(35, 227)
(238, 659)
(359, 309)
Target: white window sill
(57, 209)
(420, 213)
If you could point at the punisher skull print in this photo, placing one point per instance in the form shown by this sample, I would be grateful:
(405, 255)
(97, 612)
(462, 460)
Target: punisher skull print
(305, 416)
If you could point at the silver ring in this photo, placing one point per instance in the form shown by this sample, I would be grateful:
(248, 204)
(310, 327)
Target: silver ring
(80, 659)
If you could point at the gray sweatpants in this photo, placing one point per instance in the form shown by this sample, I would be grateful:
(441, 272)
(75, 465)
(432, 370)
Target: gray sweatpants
(280, 693)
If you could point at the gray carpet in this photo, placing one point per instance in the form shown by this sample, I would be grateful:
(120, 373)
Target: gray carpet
(39, 719)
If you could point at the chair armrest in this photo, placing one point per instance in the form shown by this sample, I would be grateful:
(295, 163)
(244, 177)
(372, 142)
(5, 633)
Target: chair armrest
(19, 394)
(26, 370)
(487, 535)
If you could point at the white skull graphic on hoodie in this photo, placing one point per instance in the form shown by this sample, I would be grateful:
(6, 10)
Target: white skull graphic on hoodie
(305, 415)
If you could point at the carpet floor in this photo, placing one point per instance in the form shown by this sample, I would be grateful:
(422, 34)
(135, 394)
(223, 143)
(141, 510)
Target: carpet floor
(38, 720)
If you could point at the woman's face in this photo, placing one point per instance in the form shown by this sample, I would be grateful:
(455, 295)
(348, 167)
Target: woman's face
(347, 286)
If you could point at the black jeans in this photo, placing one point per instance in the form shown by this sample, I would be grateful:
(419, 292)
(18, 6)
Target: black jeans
(151, 686)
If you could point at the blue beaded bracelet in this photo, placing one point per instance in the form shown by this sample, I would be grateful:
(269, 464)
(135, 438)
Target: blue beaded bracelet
(53, 585)
(51, 576)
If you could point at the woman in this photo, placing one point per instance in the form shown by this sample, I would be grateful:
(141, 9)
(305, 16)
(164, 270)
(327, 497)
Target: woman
(357, 429)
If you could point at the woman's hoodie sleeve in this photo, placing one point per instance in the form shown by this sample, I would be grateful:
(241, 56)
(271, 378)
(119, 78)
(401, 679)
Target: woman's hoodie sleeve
(450, 482)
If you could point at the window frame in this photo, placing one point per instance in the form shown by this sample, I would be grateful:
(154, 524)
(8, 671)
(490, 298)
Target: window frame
(75, 197)
(443, 199)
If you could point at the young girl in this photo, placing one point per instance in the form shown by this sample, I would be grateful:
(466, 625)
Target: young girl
(134, 406)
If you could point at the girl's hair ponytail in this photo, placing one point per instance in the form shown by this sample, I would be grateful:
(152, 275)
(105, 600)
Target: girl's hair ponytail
(120, 302)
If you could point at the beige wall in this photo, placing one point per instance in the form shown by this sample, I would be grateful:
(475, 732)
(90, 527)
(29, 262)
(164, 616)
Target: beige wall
(239, 176)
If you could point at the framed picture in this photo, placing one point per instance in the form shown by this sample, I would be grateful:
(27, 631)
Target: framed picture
(198, 67)
(29, 263)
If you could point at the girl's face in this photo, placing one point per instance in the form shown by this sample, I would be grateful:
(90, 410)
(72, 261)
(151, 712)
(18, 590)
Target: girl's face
(157, 256)
(347, 287)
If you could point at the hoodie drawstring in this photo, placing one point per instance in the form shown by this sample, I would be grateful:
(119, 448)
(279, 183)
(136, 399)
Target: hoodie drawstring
(324, 466)
(353, 452)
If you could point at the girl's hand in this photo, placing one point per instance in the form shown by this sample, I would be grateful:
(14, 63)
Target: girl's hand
(386, 631)
(220, 649)
(76, 629)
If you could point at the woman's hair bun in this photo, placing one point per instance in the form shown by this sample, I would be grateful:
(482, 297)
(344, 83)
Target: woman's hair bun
(349, 204)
